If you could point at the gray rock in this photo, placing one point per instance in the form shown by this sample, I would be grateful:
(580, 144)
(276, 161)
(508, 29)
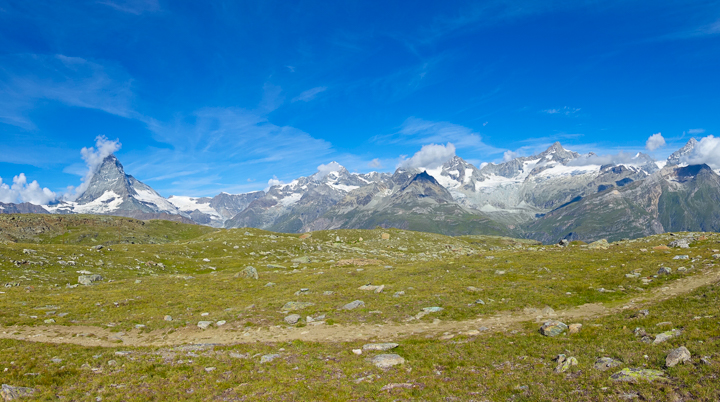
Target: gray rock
(204, 324)
(353, 305)
(292, 319)
(664, 336)
(380, 346)
(10, 393)
(638, 374)
(432, 309)
(387, 360)
(275, 266)
(167, 318)
(89, 279)
(268, 358)
(681, 257)
(664, 271)
(249, 272)
(679, 355)
(680, 243)
(563, 242)
(606, 363)
(301, 260)
(716, 256)
(292, 306)
(553, 328)
(564, 363)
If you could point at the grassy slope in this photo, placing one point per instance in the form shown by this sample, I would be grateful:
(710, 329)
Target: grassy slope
(432, 270)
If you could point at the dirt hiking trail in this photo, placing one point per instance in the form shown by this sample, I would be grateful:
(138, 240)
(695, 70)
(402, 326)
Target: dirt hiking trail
(102, 337)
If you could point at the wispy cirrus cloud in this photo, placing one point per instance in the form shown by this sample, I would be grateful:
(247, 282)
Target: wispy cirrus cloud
(416, 131)
(565, 110)
(309, 95)
(133, 6)
(27, 79)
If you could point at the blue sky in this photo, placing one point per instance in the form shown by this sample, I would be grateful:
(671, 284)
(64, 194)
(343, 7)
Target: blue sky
(224, 95)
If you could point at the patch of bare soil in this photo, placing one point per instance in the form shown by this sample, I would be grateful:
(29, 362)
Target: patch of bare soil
(96, 336)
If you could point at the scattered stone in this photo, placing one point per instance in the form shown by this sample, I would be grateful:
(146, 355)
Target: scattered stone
(275, 266)
(606, 363)
(644, 313)
(564, 363)
(397, 385)
(305, 236)
(716, 256)
(301, 260)
(269, 284)
(553, 328)
(204, 324)
(9, 392)
(479, 301)
(661, 248)
(249, 272)
(221, 323)
(380, 346)
(374, 288)
(664, 271)
(357, 351)
(209, 369)
(268, 358)
(353, 305)
(574, 328)
(681, 257)
(679, 355)
(292, 306)
(432, 309)
(664, 336)
(89, 279)
(680, 243)
(236, 355)
(386, 361)
(547, 311)
(398, 294)
(385, 236)
(167, 318)
(292, 319)
(600, 244)
(49, 321)
(637, 374)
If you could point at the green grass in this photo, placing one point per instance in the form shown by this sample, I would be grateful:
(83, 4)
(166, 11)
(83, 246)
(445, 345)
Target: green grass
(433, 270)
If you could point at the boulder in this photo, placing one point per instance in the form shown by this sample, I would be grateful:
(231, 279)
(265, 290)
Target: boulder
(664, 271)
(353, 305)
(606, 363)
(11, 393)
(387, 360)
(249, 272)
(292, 319)
(637, 374)
(664, 336)
(676, 356)
(204, 324)
(89, 279)
(553, 328)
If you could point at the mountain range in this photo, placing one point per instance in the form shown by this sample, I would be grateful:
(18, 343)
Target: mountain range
(557, 194)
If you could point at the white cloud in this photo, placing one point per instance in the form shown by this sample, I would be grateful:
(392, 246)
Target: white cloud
(22, 191)
(273, 182)
(415, 131)
(309, 95)
(696, 131)
(430, 156)
(375, 163)
(563, 110)
(93, 158)
(509, 155)
(324, 170)
(707, 150)
(655, 141)
(621, 157)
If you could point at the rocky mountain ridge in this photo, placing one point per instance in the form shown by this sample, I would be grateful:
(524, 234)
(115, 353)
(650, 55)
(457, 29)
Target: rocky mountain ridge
(549, 196)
